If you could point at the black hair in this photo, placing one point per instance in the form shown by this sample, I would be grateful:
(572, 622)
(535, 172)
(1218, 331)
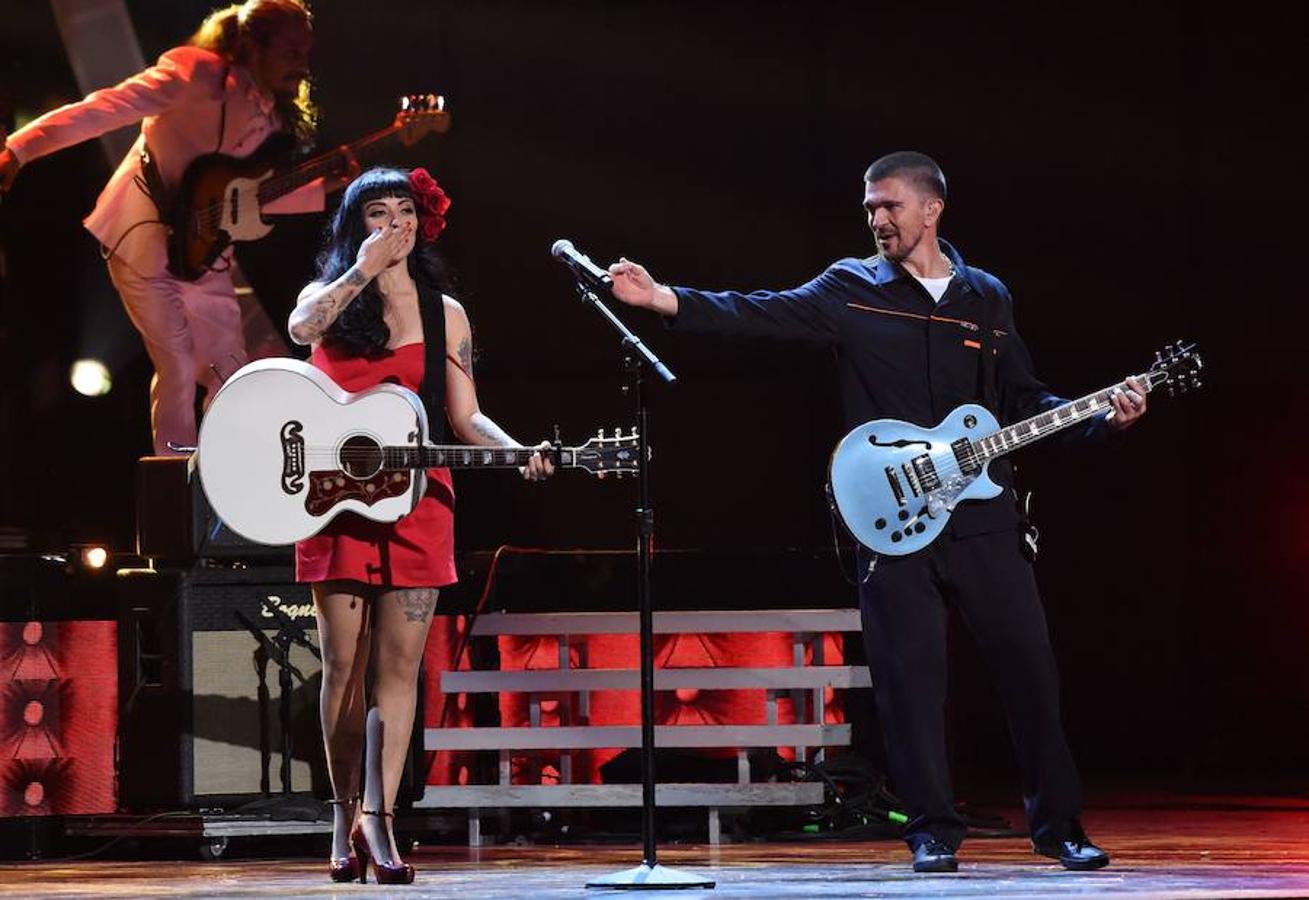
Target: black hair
(360, 329)
(918, 168)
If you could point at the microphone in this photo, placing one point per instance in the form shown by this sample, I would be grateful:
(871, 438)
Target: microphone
(587, 272)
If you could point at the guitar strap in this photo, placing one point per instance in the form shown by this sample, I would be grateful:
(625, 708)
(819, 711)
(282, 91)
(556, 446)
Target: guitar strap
(431, 308)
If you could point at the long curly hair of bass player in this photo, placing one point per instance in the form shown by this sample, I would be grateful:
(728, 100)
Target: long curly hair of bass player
(232, 31)
(360, 328)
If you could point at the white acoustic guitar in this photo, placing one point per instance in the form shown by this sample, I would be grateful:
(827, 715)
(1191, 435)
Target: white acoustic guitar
(283, 450)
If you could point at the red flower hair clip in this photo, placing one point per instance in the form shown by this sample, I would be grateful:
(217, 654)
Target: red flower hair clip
(431, 202)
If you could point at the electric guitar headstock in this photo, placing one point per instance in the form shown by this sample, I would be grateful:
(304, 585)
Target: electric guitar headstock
(419, 116)
(1177, 366)
(618, 455)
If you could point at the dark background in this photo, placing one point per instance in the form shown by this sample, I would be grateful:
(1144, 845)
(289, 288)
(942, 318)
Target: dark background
(1127, 176)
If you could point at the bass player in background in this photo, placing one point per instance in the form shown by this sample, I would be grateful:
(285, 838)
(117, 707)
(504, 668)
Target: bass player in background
(243, 76)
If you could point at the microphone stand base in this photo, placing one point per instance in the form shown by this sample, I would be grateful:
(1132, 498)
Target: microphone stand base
(651, 878)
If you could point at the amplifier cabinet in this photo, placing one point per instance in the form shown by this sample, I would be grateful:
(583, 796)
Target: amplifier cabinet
(194, 729)
(175, 523)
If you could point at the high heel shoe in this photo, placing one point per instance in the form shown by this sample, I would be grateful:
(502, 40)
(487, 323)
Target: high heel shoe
(359, 844)
(385, 873)
(344, 868)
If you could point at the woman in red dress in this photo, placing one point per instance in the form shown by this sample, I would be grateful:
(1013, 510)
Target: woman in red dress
(378, 313)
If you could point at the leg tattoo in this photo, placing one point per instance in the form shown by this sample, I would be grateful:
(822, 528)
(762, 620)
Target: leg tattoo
(418, 603)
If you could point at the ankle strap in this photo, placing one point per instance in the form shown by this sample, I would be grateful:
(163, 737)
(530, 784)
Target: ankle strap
(370, 812)
(343, 801)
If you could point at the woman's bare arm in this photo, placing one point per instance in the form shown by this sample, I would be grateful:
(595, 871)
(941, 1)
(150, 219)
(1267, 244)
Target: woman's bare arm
(320, 304)
(469, 423)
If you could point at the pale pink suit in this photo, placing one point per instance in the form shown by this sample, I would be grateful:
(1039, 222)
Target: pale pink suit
(192, 330)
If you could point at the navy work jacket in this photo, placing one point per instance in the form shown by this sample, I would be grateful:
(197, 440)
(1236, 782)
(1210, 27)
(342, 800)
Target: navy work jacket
(902, 355)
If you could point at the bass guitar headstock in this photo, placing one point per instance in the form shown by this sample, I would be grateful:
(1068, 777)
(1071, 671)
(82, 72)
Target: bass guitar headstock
(1178, 367)
(419, 116)
(618, 455)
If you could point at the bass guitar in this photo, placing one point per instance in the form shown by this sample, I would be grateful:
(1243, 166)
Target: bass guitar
(221, 198)
(283, 450)
(895, 484)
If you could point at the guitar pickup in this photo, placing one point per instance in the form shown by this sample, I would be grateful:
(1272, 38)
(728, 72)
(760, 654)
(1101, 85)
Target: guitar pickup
(894, 481)
(928, 480)
(965, 456)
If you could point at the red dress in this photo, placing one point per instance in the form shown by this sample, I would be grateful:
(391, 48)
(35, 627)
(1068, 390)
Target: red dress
(418, 550)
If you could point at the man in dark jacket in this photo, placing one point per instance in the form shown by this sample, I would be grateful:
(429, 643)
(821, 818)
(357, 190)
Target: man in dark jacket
(912, 327)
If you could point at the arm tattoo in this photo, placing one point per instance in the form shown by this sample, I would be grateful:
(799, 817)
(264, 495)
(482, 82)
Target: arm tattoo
(494, 434)
(329, 305)
(466, 356)
(418, 603)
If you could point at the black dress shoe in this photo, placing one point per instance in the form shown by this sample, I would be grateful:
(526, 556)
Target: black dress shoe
(1079, 855)
(933, 856)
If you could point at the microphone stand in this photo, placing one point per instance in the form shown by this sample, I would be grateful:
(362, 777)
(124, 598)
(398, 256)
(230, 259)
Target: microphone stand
(278, 650)
(636, 358)
(271, 650)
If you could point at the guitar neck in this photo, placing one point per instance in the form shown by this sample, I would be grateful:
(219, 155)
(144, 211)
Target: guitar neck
(456, 456)
(1042, 425)
(329, 163)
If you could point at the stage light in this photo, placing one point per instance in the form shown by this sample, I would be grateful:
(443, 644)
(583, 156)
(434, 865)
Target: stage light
(90, 378)
(32, 633)
(34, 793)
(94, 557)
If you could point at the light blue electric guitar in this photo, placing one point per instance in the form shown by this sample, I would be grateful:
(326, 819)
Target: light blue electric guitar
(895, 484)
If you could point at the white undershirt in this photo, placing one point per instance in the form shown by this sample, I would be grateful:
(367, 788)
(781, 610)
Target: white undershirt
(935, 286)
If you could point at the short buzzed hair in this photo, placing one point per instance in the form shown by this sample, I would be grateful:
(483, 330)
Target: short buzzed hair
(916, 167)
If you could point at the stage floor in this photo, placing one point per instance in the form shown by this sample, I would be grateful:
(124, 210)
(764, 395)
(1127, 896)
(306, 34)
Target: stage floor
(1202, 852)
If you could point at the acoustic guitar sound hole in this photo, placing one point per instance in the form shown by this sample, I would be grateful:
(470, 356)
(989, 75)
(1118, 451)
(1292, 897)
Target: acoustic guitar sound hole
(361, 457)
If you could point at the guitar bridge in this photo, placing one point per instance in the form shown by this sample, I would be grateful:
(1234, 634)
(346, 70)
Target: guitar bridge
(293, 457)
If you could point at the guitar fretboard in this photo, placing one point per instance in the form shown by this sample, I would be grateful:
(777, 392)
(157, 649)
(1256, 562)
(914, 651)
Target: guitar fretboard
(332, 162)
(1020, 434)
(463, 457)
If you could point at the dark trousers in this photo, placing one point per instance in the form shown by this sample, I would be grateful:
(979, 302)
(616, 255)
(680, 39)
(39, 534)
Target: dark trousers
(904, 620)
